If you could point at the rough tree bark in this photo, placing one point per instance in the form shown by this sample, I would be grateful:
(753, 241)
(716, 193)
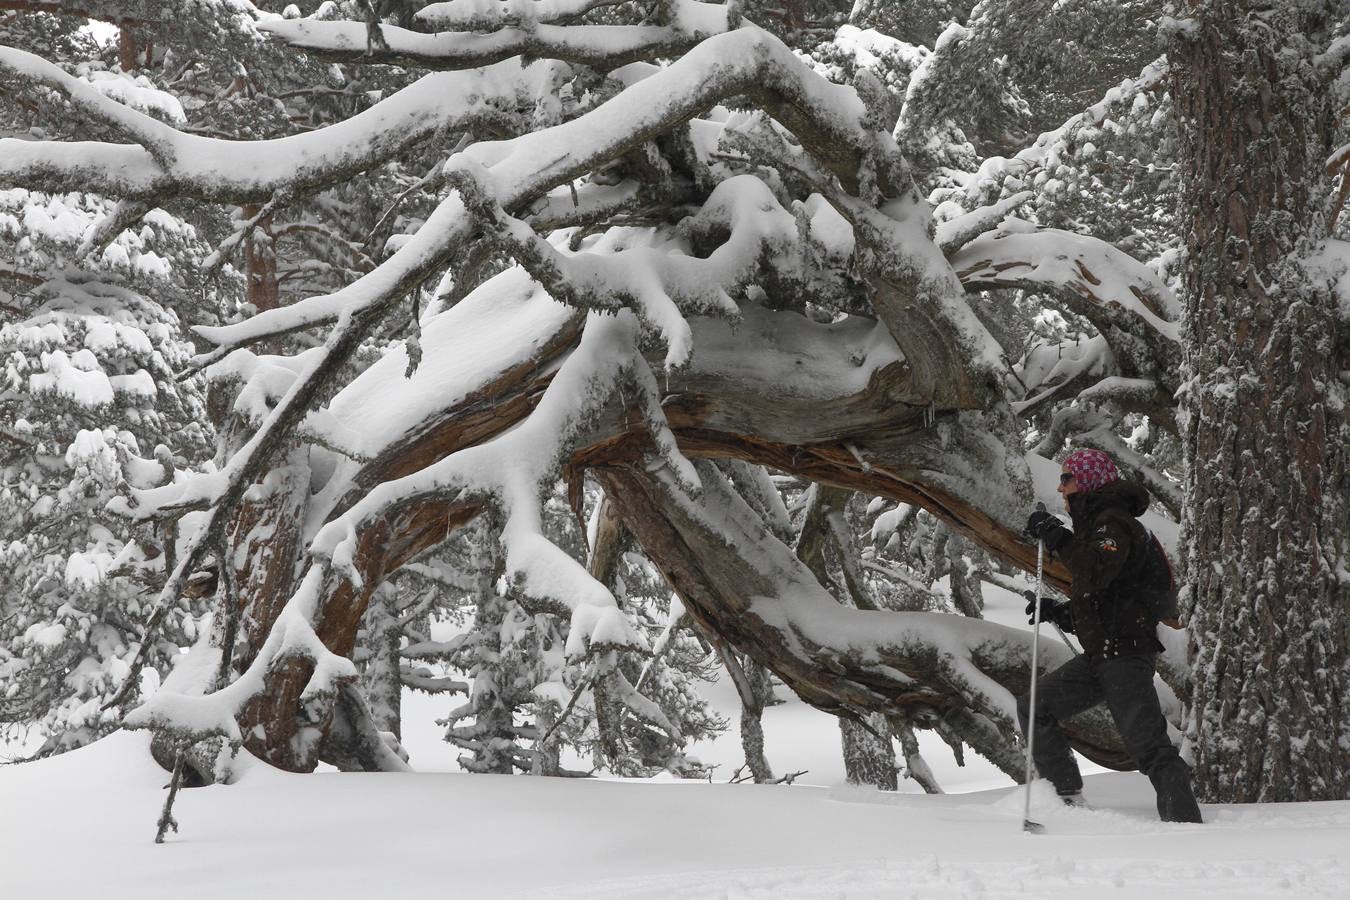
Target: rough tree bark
(755, 689)
(1265, 521)
(260, 261)
(869, 757)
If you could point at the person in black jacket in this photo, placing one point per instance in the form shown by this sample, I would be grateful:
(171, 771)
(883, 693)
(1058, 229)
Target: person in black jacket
(1117, 627)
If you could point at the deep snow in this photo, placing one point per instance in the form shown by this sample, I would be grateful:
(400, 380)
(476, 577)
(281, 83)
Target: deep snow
(82, 825)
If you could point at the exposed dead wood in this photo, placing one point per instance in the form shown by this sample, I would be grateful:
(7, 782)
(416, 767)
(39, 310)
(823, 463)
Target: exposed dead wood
(488, 411)
(277, 726)
(609, 544)
(833, 464)
(274, 722)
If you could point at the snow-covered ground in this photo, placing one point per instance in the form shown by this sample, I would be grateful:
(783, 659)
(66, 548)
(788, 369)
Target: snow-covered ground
(82, 826)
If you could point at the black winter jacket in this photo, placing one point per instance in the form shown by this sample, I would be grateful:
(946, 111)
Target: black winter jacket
(1105, 554)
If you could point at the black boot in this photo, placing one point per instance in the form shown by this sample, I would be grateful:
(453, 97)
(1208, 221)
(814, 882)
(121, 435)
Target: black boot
(1176, 801)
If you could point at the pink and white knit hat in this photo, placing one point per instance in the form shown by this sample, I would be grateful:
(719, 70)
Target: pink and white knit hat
(1092, 469)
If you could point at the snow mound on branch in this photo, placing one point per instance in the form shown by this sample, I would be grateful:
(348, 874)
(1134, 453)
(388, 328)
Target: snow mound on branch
(1022, 253)
(137, 92)
(497, 327)
(73, 379)
(868, 46)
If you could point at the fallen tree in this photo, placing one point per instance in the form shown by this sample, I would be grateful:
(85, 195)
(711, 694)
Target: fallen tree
(686, 283)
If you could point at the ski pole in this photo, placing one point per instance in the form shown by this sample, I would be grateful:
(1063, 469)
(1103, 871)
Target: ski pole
(1065, 638)
(1027, 824)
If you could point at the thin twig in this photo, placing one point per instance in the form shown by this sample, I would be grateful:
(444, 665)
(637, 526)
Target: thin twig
(166, 819)
(567, 711)
(133, 676)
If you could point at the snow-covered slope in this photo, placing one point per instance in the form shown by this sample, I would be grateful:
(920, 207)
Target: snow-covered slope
(82, 824)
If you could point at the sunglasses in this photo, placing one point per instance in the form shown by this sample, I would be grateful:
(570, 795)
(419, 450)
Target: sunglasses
(1065, 477)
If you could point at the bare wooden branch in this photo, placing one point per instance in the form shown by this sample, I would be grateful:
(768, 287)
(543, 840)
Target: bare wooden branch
(30, 278)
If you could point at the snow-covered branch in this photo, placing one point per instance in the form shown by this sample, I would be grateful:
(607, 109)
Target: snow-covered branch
(429, 250)
(770, 606)
(166, 161)
(922, 301)
(423, 681)
(489, 15)
(507, 30)
(159, 139)
(587, 204)
(522, 170)
(606, 360)
(955, 233)
(193, 716)
(1051, 372)
(1100, 278)
(660, 286)
(1133, 394)
(224, 490)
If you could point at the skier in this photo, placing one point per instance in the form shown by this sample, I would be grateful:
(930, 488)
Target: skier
(1109, 610)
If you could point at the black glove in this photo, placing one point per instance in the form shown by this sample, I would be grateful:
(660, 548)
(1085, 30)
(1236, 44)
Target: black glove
(1040, 523)
(1052, 611)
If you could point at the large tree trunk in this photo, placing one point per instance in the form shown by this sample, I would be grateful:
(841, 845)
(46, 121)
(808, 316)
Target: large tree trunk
(869, 757)
(1265, 431)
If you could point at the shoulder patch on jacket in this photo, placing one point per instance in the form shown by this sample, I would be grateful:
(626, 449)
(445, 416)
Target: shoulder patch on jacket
(1109, 545)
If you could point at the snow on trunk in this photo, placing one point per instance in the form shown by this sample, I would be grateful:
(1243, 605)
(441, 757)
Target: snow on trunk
(1265, 430)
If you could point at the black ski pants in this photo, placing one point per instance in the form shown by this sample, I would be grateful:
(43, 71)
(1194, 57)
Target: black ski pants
(1126, 684)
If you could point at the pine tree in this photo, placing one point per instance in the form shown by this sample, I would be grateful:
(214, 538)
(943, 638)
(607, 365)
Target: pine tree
(1265, 433)
(89, 390)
